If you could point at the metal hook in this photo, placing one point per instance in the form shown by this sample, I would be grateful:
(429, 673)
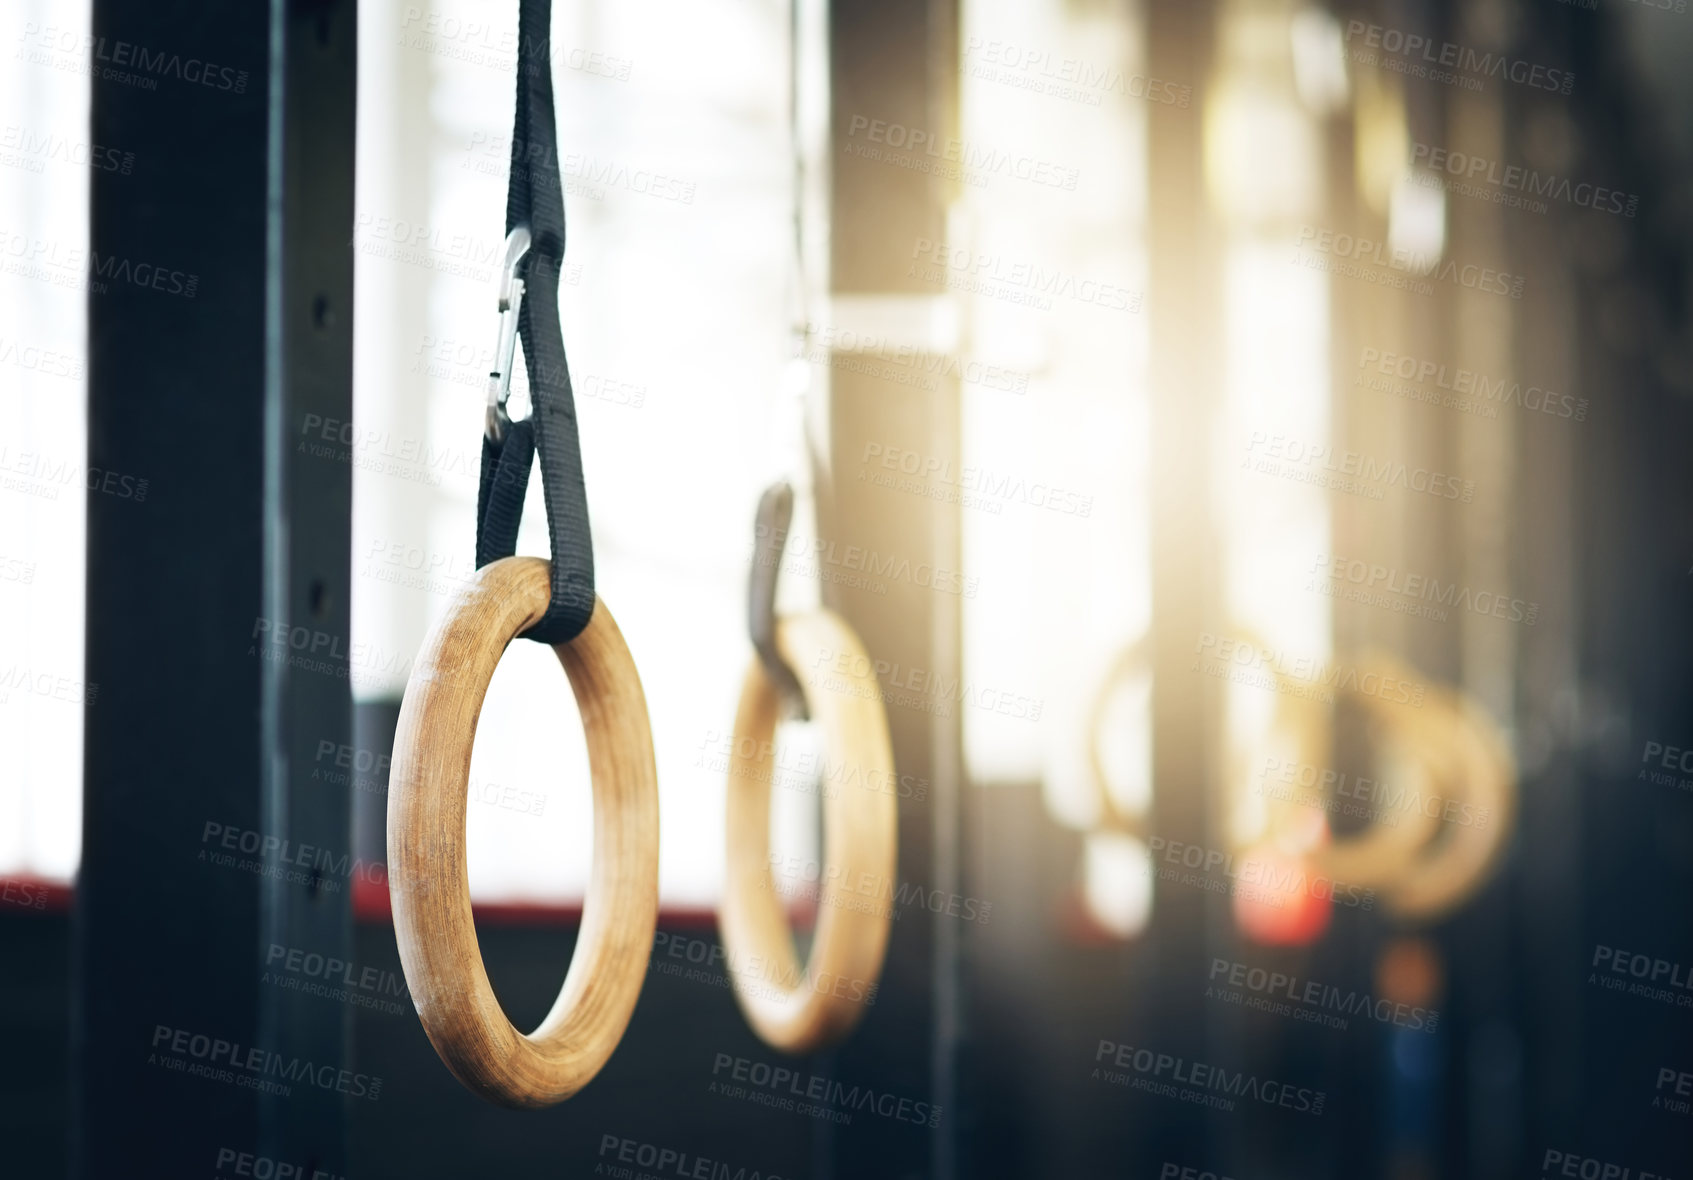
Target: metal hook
(770, 536)
(505, 347)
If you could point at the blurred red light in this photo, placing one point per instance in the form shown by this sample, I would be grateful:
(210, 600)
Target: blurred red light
(1280, 907)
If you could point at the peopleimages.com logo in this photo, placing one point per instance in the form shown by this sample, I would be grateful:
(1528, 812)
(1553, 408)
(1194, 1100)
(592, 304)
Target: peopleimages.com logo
(1381, 801)
(792, 1089)
(268, 1167)
(100, 57)
(1310, 1000)
(1216, 870)
(1468, 386)
(1212, 1085)
(227, 1061)
(975, 163)
(1425, 57)
(1513, 178)
(666, 1162)
(1654, 978)
(1564, 1163)
(1372, 583)
(1270, 668)
(1352, 248)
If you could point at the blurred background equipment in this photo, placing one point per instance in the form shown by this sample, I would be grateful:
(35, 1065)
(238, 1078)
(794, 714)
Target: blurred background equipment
(1158, 381)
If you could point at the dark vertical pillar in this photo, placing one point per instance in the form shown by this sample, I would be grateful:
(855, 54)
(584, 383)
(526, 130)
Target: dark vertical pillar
(220, 329)
(1185, 294)
(895, 63)
(308, 514)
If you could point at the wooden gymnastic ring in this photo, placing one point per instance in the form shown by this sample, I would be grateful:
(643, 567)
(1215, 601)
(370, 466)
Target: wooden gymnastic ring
(792, 1009)
(1382, 852)
(428, 880)
(1137, 657)
(1378, 854)
(1482, 776)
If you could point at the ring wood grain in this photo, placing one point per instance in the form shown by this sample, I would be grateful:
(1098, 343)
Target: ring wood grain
(429, 882)
(792, 1008)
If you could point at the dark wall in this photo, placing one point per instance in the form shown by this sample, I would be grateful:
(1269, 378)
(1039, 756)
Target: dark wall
(35, 1013)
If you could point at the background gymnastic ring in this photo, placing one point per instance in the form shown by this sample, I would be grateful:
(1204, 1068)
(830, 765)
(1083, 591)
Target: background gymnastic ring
(793, 1009)
(1135, 657)
(428, 880)
(1420, 874)
(1484, 776)
(1378, 855)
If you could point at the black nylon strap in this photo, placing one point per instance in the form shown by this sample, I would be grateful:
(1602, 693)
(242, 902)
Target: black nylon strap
(499, 501)
(535, 198)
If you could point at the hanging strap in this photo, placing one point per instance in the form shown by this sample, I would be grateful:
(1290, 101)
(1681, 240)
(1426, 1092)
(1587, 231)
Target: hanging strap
(535, 201)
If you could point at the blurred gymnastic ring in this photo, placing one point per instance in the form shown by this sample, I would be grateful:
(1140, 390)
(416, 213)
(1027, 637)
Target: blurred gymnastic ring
(1481, 782)
(428, 879)
(1131, 659)
(1427, 867)
(1379, 854)
(793, 1009)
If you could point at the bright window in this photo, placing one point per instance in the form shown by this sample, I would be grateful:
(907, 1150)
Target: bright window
(45, 156)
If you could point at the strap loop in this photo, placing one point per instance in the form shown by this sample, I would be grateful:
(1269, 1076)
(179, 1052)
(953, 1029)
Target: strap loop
(535, 203)
(770, 538)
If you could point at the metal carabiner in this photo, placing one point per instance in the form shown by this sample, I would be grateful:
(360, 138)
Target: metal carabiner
(505, 347)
